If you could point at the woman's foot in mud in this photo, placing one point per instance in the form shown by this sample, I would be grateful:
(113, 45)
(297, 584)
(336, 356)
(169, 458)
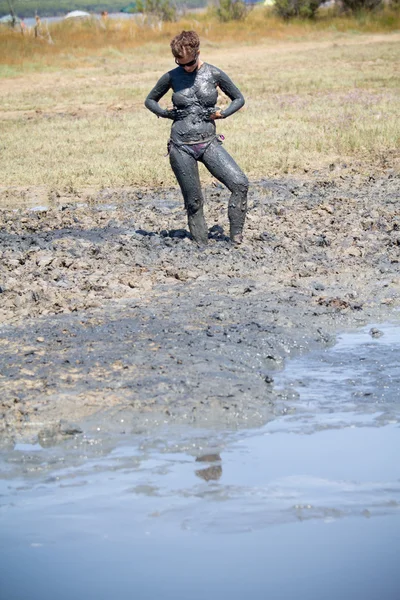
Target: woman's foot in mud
(200, 241)
(237, 239)
(201, 244)
(198, 228)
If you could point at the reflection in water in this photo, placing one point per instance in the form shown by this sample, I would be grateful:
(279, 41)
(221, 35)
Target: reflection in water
(211, 473)
(209, 458)
(327, 481)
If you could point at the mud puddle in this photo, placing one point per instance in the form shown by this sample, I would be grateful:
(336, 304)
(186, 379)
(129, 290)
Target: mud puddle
(107, 306)
(307, 506)
(361, 373)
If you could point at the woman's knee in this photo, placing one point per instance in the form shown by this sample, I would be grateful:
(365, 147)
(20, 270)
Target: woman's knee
(239, 184)
(244, 183)
(193, 203)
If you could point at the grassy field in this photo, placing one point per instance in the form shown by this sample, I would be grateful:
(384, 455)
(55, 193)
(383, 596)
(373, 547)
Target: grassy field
(72, 114)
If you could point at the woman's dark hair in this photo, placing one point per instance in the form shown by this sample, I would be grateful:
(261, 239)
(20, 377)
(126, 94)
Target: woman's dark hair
(186, 42)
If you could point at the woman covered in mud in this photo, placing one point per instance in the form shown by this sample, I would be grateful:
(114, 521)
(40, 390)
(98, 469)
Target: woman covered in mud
(193, 133)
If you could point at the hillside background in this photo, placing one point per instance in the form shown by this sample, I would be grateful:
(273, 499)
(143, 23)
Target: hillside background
(50, 8)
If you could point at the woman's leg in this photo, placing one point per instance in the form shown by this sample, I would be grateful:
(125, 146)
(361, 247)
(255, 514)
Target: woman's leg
(222, 166)
(186, 171)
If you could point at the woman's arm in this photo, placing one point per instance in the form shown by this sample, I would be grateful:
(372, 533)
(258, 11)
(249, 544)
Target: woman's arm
(159, 90)
(233, 93)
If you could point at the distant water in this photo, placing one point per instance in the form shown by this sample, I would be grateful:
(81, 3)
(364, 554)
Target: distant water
(30, 22)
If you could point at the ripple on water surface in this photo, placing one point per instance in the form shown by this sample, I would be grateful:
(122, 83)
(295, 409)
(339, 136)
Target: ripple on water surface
(305, 507)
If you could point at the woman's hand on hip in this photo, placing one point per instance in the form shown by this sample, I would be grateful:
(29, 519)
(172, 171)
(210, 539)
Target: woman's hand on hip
(216, 115)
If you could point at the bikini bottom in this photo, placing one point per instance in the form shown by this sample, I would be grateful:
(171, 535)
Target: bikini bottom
(197, 149)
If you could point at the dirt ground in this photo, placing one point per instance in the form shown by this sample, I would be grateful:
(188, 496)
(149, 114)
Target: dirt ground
(111, 317)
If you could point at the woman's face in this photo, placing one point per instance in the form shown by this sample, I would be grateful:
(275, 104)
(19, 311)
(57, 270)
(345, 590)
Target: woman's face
(189, 61)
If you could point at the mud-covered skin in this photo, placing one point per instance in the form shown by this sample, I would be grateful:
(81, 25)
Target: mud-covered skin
(222, 167)
(194, 99)
(107, 306)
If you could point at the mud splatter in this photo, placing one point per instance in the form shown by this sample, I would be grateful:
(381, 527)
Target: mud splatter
(107, 305)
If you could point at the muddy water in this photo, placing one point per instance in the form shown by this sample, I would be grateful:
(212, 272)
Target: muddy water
(307, 506)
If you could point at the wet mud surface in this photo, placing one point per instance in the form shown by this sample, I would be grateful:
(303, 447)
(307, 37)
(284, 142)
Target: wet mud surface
(113, 319)
(310, 491)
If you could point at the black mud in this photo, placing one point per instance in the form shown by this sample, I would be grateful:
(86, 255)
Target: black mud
(113, 318)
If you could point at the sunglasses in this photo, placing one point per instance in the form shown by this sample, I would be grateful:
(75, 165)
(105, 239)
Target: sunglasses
(188, 64)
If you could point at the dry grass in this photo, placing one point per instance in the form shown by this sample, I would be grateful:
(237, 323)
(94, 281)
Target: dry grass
(78, 41)
(329, 97)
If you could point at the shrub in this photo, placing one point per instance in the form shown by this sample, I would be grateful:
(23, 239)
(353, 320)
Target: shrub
(163, 9)
(303, 9)
(356, 6)
(231, 10)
